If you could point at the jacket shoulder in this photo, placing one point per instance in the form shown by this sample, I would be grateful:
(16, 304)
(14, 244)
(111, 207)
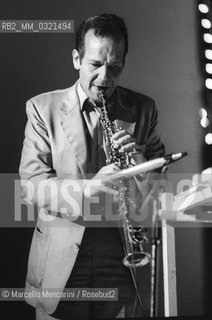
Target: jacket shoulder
(47, 99)
(138, 98)
(137, 95)
(49, 104)
(136, 101)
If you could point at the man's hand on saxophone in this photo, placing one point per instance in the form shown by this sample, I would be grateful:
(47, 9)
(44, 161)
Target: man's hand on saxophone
(101, 182)
(123, 141)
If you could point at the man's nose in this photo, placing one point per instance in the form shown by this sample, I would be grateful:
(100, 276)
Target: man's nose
(104, 73)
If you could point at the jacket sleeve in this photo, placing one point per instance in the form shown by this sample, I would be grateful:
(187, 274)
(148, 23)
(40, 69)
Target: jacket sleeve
(40, 184)
(154, 146)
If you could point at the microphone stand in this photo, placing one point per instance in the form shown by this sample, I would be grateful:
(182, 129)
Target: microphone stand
(155, 254)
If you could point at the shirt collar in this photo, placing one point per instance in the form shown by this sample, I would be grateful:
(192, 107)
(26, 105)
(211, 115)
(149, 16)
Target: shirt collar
(82, 95)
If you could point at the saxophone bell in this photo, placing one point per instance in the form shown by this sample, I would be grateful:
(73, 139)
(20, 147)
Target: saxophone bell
(135, 256)
(137, 259)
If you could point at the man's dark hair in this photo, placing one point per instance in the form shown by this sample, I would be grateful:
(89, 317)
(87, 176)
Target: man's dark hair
(104, 25)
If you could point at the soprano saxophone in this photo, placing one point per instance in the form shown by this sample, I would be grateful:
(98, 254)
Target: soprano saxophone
(134, 237)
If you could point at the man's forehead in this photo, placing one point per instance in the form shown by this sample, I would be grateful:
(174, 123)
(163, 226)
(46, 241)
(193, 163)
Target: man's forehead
(96, 45)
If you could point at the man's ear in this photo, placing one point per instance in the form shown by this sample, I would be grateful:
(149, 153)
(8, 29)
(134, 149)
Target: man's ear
(76, 59)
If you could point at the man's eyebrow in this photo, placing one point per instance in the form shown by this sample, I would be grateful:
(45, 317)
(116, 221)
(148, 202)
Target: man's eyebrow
(99, 61)
(94, 61)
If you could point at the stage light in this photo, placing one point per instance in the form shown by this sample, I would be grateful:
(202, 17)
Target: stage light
(203, 8)
(206, 34)
(208, 54)
(208, 83)
(203, 113)
(208, 138)
(207, 37)
(208, 67)
(204, 122)
(206, 23)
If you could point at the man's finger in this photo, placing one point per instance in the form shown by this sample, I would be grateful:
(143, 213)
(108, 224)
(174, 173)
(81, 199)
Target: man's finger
(119, 134)
(108, 190)
(127, 147)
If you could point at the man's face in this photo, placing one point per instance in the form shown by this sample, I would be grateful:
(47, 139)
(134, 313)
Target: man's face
(101, 66)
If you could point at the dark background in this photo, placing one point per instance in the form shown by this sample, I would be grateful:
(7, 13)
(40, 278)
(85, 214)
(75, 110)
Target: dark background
(164, 62)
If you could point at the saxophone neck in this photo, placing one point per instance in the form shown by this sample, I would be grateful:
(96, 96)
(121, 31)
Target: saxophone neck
(102, 98)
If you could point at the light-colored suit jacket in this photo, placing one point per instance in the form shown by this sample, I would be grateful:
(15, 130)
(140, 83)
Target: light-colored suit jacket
(54, 155)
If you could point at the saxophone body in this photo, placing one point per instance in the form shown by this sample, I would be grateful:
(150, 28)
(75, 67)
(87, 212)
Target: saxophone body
(135, 236)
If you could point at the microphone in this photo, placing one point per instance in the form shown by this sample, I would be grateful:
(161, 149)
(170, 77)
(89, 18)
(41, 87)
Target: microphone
(147, 166)
(172, 157)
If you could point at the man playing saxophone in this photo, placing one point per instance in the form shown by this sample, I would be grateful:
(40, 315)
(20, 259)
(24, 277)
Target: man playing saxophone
(64, 138)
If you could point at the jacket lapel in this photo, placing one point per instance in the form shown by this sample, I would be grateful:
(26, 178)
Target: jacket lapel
(72, 124)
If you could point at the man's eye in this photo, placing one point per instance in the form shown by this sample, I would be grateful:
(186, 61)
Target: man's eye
(115, 69)
(96, 65)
